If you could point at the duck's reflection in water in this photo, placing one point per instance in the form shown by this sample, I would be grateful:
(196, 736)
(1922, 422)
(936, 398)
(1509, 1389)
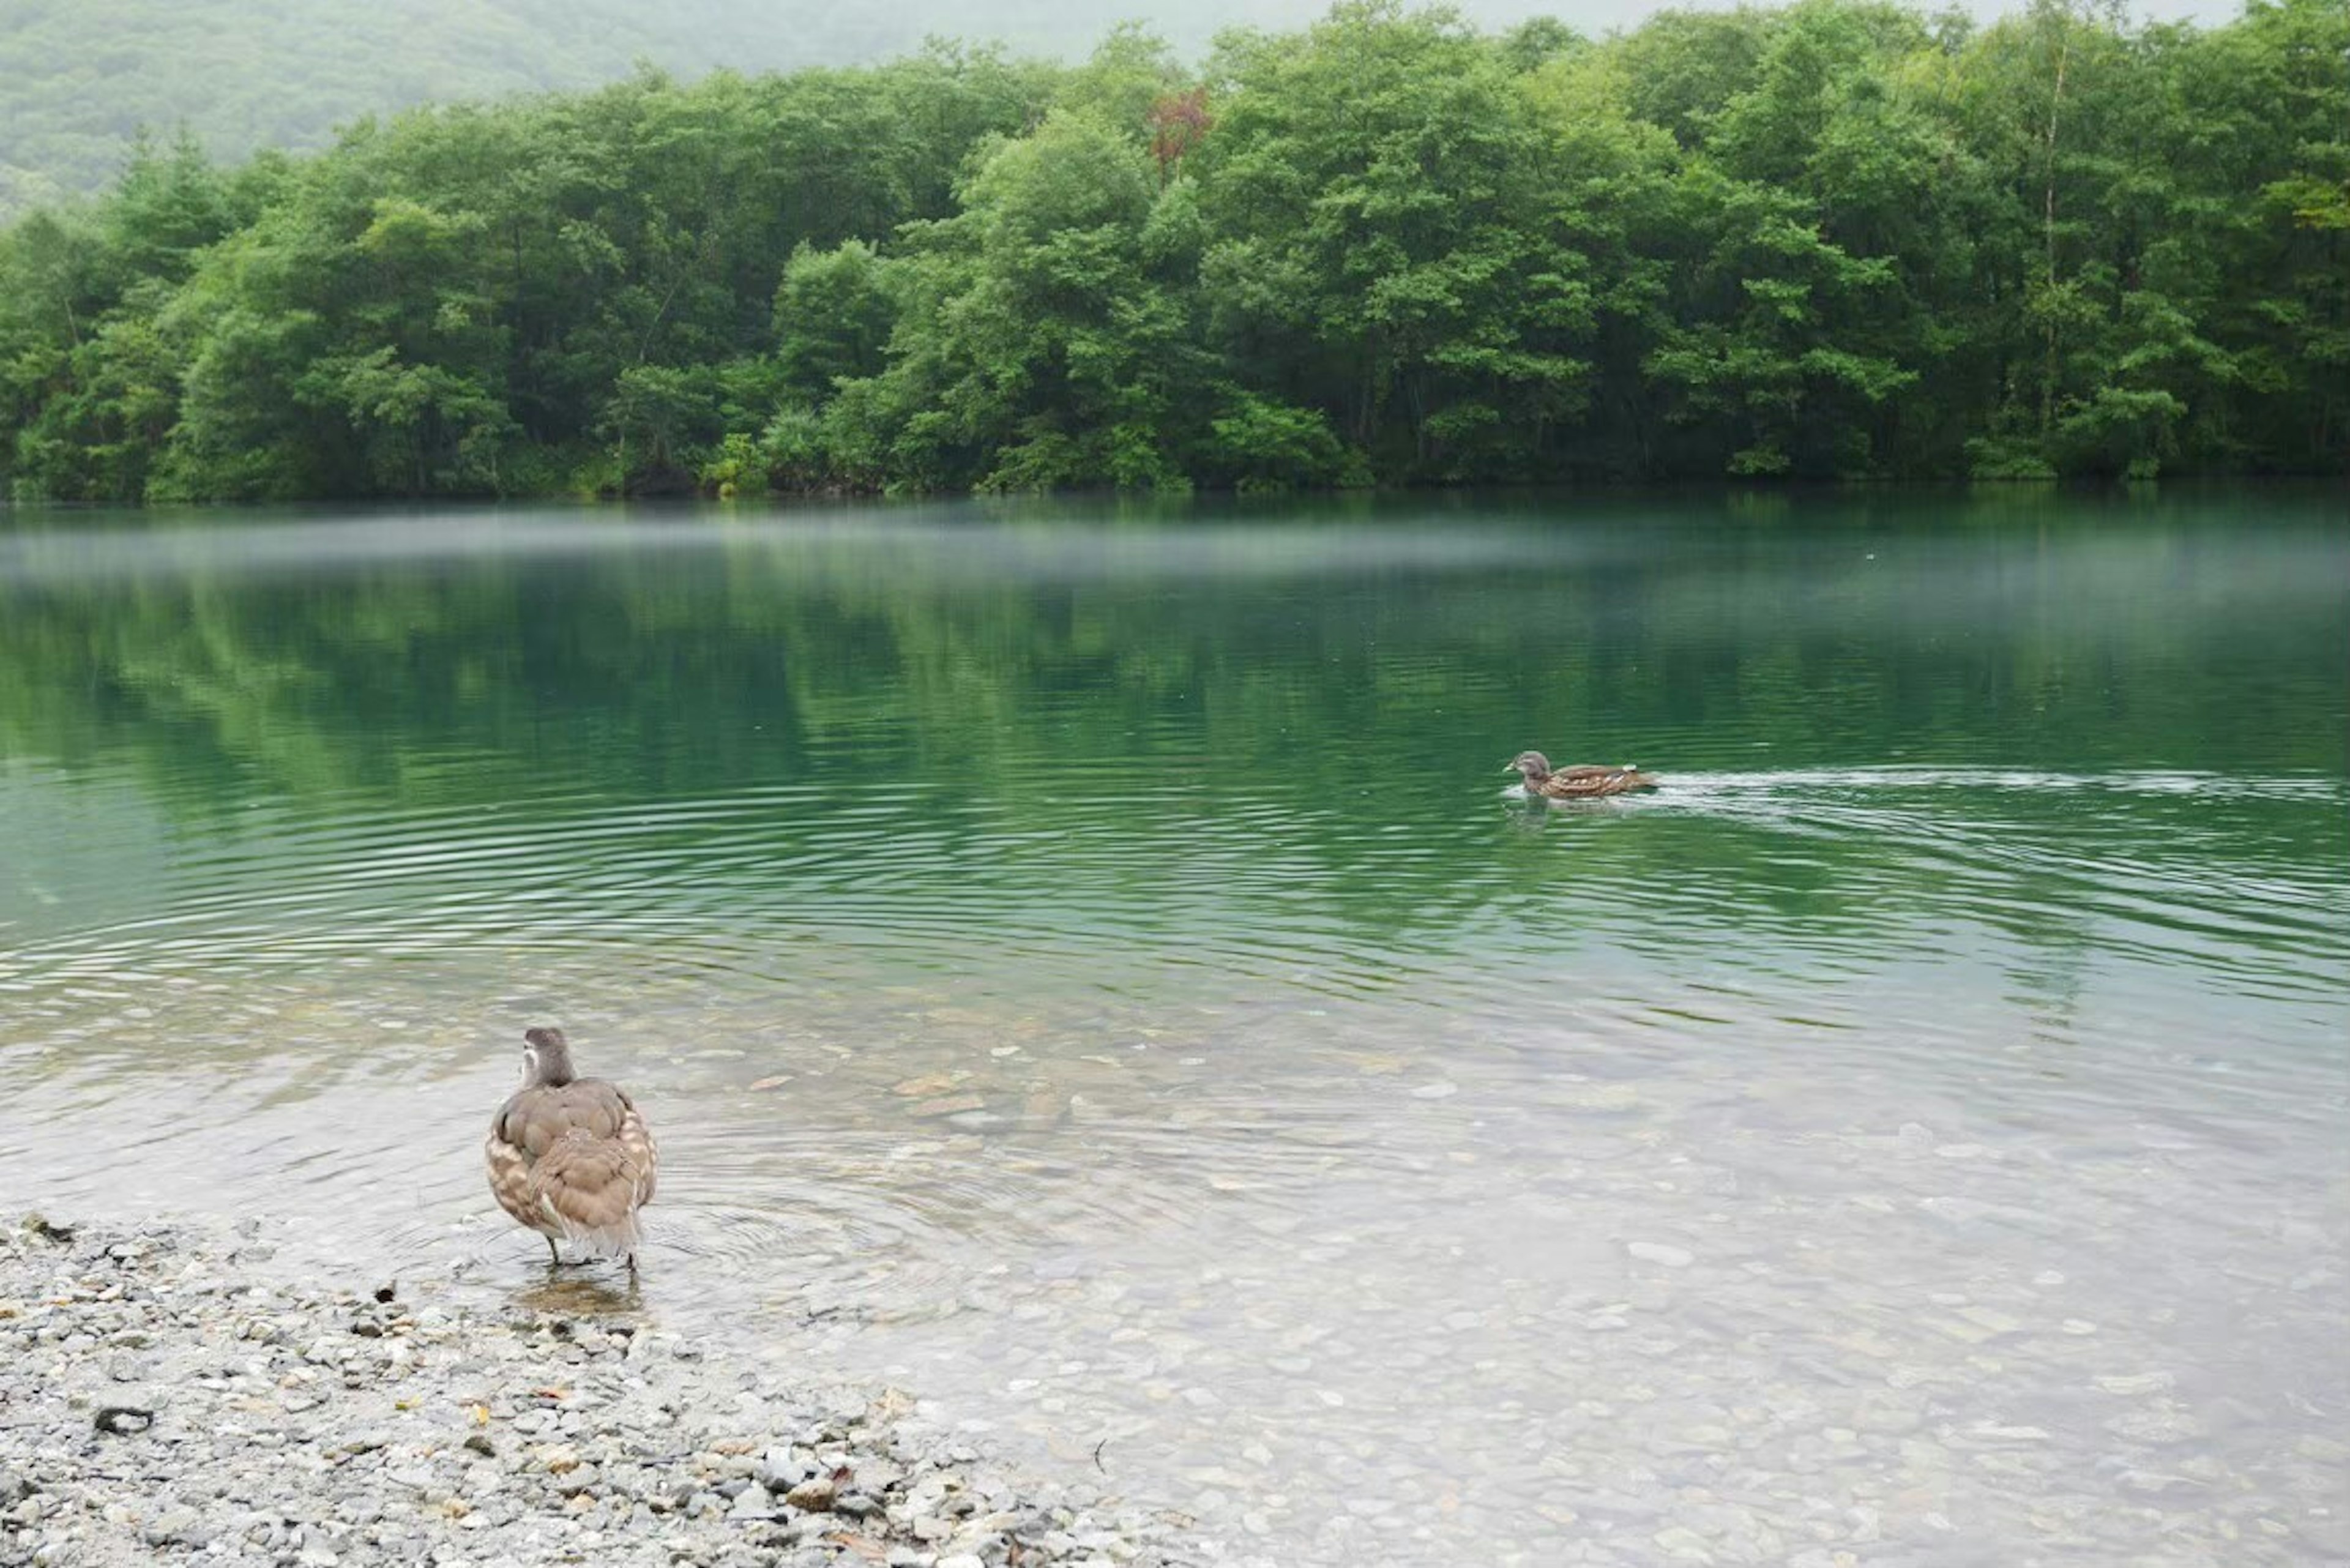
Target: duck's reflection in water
(569, 1294)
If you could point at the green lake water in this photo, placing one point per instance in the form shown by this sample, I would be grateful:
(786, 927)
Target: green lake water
(1084, 962)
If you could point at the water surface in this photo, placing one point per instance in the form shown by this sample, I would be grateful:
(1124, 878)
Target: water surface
(1084, 962)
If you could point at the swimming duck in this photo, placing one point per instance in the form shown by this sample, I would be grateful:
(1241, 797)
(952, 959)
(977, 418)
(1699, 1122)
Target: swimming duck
(1583, 782)
(571, 1158)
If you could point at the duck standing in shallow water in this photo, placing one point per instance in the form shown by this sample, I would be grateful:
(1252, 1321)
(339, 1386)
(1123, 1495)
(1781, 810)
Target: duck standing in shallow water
(1583, 782)
(571, 1158)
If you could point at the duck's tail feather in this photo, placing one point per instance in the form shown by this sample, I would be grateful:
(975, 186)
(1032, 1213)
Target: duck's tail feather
(590, 1190)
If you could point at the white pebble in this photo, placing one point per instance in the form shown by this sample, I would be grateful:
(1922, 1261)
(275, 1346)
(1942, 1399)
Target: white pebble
(1659, 1252)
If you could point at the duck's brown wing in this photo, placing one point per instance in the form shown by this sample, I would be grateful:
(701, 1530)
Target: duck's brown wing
(1566, 784)
(1585, 780)
(510, 1179)
(593, 1187)
(636, 1140)
(577, 1162)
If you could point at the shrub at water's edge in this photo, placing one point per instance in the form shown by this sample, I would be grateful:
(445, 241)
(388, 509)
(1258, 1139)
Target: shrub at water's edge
(1837, 239)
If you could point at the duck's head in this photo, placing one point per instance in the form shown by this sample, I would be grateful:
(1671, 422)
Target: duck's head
(1528, 765)
(545, 1059)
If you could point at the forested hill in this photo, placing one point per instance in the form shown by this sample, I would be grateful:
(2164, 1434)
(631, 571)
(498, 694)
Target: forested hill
(79, 77)
(1836, 239)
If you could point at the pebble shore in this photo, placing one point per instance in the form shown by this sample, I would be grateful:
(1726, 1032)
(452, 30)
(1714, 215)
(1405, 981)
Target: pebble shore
(165, 1396)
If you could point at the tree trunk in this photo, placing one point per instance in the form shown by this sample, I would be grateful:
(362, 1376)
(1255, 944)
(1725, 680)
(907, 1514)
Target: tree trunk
(2048, 233)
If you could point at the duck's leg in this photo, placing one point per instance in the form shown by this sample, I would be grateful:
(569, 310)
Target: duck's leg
(632, 1264)
(554, 1257)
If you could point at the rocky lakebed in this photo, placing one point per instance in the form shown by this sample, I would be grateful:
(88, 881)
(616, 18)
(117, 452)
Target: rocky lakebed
(167, 1394)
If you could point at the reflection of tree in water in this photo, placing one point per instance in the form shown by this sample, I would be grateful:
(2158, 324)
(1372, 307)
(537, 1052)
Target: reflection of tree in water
(2049, 973)
(2037, 902)
(1345, 674)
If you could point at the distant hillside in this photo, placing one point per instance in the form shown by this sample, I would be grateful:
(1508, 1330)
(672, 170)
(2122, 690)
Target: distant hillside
(78, 78)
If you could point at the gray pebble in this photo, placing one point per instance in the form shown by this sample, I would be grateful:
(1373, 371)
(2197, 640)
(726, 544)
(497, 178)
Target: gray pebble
(315, 1426)
(179, 1526)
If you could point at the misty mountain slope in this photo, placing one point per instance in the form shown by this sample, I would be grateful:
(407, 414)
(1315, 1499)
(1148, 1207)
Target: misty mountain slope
(78, 78)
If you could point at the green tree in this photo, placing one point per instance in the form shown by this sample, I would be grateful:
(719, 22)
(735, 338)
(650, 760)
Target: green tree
(1834, 238)
(1047, 333)
(1385, 245)
(834, 313)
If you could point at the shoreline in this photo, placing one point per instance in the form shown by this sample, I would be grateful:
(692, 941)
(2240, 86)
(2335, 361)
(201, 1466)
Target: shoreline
(163, 1396)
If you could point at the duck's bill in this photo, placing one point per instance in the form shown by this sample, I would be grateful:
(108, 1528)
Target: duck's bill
(1508, 767)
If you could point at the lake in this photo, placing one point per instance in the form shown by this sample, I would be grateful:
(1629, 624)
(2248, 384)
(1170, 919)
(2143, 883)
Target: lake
(1086, 964)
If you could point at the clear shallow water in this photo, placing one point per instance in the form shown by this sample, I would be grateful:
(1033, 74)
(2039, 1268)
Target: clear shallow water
(1084, 963)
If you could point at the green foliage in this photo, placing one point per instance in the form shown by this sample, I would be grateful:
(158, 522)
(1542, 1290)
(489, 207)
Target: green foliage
(1048, 339)
(833, 318)
(1388, 246)
(1260, 445)
(1682, 68)
(1828, 240)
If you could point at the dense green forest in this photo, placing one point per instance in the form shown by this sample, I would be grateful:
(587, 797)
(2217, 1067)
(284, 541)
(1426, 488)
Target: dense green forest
(1840, 238)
